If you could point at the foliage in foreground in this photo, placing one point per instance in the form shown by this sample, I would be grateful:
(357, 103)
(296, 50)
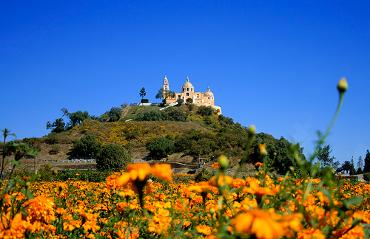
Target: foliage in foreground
(144, 202)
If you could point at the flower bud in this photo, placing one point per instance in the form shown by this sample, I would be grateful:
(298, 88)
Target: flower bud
(262, 149)
(223, 161)
(342, 85)
(252, 129)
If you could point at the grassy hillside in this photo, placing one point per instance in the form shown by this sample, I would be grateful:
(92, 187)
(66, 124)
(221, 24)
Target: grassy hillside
(194, 132)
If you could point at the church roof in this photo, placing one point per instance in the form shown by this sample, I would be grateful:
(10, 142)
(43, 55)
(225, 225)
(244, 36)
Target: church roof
(208, 92)
(187, 83)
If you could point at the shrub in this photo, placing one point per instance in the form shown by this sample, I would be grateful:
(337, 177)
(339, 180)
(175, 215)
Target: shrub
(175, 114)
(161, 147)
(203, 175)
(88, 147)
(180, 102)
(153, 115)
(189, 101)
(131, 134)
(51, 139)
(196, 143)
(225, 121)
(113, 157)
(114, 114)
(45, 173)
(55, 149)
(205, 110)
(367, 177)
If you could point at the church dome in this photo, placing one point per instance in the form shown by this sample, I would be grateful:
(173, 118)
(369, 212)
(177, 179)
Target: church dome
(208, 93)
(187, 84)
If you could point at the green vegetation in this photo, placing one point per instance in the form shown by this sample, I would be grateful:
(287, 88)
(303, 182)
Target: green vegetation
(17, 150)
(367, 162)
(142, 94)
(113, 157)
(187, 130)
(75, 118)
(205, 110)
(113, 115)
(161, 147)
(88, 147)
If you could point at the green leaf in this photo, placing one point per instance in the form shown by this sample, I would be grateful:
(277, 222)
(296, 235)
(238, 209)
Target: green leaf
(352, 202)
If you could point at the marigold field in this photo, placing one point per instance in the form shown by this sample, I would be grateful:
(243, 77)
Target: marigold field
(145, 202)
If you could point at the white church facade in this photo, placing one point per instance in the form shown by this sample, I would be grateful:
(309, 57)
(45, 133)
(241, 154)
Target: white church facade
(188, 93)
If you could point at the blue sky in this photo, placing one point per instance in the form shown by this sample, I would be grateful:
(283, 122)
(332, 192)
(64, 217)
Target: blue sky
(274, 64)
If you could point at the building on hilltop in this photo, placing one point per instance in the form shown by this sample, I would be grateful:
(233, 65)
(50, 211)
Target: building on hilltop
(188, 94)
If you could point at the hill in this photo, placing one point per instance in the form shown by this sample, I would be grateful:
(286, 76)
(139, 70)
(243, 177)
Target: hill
(197, 135)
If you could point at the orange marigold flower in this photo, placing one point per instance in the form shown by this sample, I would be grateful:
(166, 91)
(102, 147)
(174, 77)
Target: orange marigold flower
(258, 164)
(215, 165)
(139, 172)
(310, 233)
(258, 223)
(221, 180)
(162, 171)
(203, 229)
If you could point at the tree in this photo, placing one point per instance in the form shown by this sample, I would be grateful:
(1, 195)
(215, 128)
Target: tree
(367, 162)
(164, 94)
(87, 147)
(113, 157)
(114, 114)
(142, 93)
(159, 94)
(360, 165)
(6, 134)
(348, 167)
(325, 158)
(280, 152)
(161, 147)
(76, 118)
(57, 126)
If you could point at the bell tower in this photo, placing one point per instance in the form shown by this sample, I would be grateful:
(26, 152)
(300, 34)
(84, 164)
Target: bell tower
(166, 85)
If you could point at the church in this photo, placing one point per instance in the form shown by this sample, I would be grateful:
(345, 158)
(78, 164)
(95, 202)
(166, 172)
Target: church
(188, 93)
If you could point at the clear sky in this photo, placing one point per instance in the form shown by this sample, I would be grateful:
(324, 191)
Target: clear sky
(274, 64)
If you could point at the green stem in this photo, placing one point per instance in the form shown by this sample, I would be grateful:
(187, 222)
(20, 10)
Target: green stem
(323, 137)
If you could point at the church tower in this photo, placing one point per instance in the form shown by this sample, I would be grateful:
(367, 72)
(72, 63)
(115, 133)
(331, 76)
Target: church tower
(166, 85)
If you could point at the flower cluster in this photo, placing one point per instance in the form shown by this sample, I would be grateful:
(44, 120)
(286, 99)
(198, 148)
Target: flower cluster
(134, 204)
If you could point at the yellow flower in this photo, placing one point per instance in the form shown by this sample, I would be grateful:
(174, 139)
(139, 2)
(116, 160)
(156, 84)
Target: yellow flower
(262, 149)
